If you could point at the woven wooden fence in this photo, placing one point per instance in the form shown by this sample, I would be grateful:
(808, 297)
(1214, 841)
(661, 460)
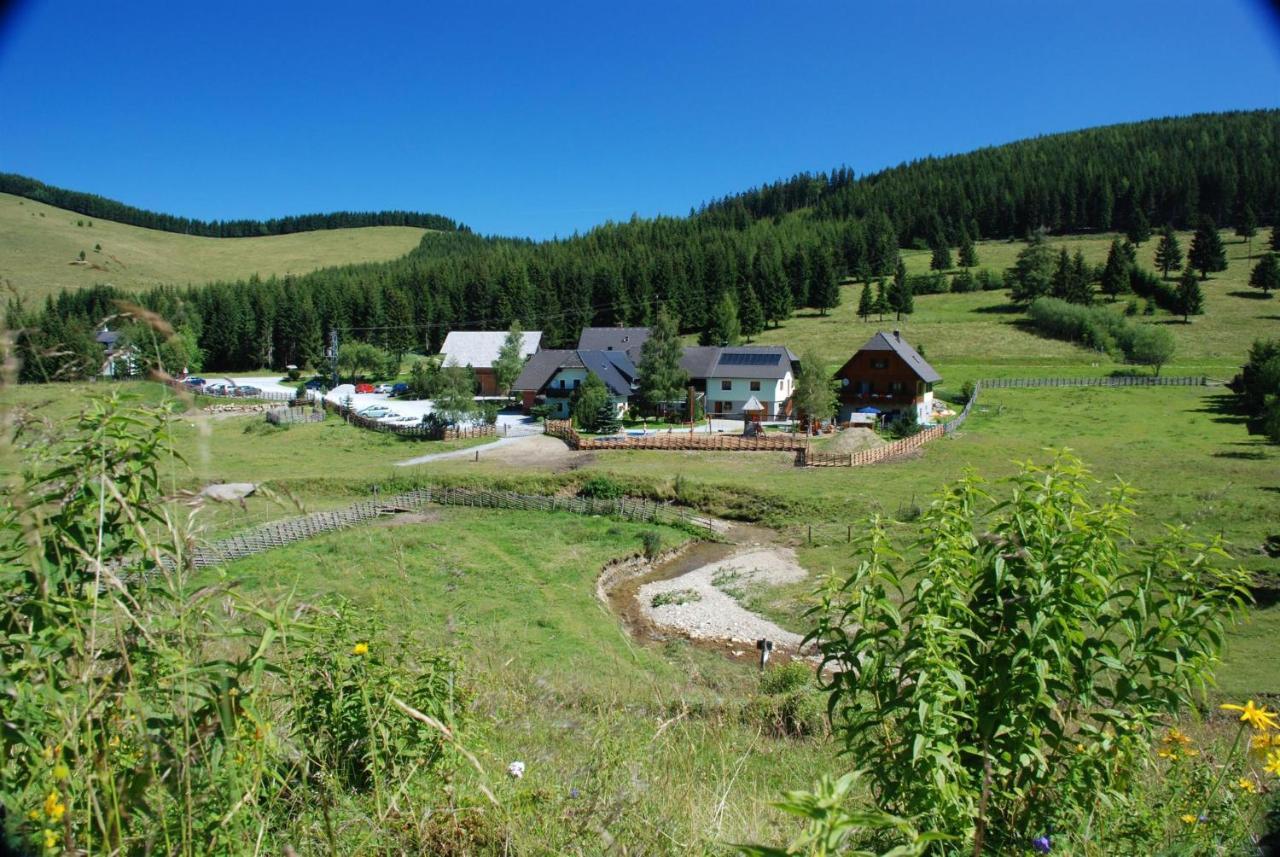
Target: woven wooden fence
(416, 430)
(1110, 381)
(677, 439)
(281, 533)
(292, 415)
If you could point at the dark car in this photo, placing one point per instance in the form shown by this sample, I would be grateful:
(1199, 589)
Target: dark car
(246, 392)
(316, 384)
(194, 382)
(399, 389)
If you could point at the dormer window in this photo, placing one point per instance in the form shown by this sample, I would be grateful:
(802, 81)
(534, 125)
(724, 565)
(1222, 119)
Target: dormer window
(879, 363)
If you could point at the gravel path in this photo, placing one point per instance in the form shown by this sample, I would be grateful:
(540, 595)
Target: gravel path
(694, 605)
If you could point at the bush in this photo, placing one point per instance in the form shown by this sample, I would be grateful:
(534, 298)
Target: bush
(651, 540)
(601, 488)
(789, 702)
(1040, 653)
(966, 392)
(990, 281)
(1094, 327)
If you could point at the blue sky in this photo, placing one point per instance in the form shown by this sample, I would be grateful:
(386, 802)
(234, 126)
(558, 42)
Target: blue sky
(540, 119)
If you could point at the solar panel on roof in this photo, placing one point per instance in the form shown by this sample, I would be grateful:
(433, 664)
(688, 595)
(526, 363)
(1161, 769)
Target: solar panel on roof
(749, 359)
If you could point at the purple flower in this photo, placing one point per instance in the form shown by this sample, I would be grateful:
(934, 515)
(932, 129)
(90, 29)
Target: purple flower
(1041, 844)
(573, 793)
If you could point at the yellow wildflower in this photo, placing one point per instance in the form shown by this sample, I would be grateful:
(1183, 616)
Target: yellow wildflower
(1190, 751)
(1167, 754)
(33, 815)
(1246, 785)
(51, 803)
(1260, 742)
(1273, 763)
(1256, 716)
(61, 772)
(1188, 818)
(1176, 736)
(360, 649)
(50, 839)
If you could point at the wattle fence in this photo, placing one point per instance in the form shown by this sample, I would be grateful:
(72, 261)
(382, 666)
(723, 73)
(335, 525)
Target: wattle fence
(281, 533)
(676, 439)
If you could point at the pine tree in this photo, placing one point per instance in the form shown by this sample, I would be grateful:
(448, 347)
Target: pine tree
(1139, 230)
(1247, 227)
(752, 313)
(824, 288)
(881, 305)
(1168, 252)
(968, 253)
(1266, 274)
(607, 421)
(1207, 253)
(662, 380)
(722, 327)
(865, 302)
(1189, 299)
(940, 259)
(1115, 275)
(1032, 274)
(1275, 238)
(900, 298)
(400, 335)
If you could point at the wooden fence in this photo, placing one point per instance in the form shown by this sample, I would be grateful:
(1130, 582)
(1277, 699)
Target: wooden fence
(677, 439)
(897, 449)
(292, 415)
(416, 430)
(280, 533)
(1110, 381)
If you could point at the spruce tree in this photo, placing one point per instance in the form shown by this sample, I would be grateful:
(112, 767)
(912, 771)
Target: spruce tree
(662, 380)
(1275, 238)
(940, 258)
(723, 327)
(607, 421)
(865, 302)
(824, 288)
(968, 253)
(510, 359)
(1207, 253)
(881, 305)
(1115, 275)
(752, 313)
(1247, 227)
(1168, 252)
(1139, 230)
(1266, 274)
(1189, 300)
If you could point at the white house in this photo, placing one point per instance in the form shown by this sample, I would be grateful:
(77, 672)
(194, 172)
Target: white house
(730, 377)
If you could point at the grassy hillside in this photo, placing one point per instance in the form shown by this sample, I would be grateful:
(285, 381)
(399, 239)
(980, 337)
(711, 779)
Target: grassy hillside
(979, 334)
(40, 247)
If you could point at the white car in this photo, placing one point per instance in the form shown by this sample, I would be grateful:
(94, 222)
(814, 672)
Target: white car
(374, 412)
(382, 388)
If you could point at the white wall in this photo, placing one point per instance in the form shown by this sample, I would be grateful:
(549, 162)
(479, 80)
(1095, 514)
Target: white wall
(772, 393)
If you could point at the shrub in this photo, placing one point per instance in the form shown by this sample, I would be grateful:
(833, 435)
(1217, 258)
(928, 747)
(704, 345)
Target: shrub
(789, 702)
(601, 487)
(966, 391)
(1011, 675)
(990, 281)
(651, 540)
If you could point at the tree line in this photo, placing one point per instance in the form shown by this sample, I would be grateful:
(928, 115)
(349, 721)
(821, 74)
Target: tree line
(92, 205)
(730, 270)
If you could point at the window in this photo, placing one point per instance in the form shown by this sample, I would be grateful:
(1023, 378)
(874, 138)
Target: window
(844, 382)
(561, 383)
(577, 382)
(879, 363)
(726, 385)
(755, 386)
(895, 387)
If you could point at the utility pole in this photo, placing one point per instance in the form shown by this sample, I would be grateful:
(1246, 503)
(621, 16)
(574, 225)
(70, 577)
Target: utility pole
(332, 354)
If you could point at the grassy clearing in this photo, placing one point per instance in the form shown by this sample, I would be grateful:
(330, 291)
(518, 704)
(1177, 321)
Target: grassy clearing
(618, 737)
(39, 243)
(976, 334)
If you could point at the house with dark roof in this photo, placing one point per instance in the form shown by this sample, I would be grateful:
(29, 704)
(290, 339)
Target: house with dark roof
(479, 349)
(628, 339)
(118, 358)
(553, 376)
(888, 375)
(733, 376)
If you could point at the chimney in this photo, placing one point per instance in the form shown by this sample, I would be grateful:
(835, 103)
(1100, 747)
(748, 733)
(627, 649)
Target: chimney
(897, 335)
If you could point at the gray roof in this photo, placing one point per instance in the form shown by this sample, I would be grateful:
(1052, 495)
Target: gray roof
(894, 342)
(628, 339)
(539, 368)
(614, 368)
(479, 348)
(699, 360)
(107, 337)
(754, 361)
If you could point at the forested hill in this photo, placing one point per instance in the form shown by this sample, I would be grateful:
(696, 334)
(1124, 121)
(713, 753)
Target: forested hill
(760, 256)
(92, 205)
(1163, 170)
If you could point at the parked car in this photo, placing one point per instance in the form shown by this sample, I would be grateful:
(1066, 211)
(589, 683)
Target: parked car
(316, 384)
(247, 391)
(399, 389)
(364, 388)
(382, 388)
(194, 382)
(374, 412)
(219, 388)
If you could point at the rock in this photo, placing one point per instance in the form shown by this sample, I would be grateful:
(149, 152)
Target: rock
(228, 492)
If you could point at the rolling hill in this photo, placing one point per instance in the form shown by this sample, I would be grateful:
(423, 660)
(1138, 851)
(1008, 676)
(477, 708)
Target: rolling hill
(40, 250)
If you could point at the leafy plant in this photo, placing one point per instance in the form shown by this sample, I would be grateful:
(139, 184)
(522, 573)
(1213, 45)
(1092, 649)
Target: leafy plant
(651, 540)
(1020, 633)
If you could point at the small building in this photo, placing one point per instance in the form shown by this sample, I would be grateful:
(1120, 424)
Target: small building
(628, 339)
(889, 375)
(552, 377)
(733, 376)
(119, 360)
(479, 349)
